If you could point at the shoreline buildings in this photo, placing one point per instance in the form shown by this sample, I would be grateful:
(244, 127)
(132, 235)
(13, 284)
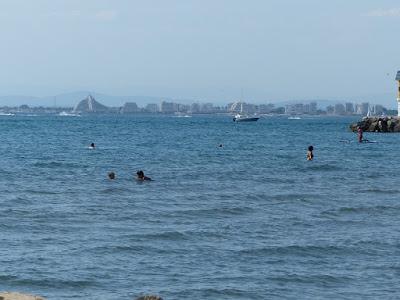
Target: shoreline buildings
(90, 105)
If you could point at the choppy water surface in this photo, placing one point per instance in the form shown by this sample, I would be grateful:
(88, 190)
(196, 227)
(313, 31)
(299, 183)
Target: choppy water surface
(250, 220)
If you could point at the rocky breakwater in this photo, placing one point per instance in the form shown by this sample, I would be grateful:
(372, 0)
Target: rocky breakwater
(377, 124)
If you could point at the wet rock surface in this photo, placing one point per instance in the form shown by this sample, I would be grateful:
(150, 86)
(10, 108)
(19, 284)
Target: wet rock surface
(377, 124)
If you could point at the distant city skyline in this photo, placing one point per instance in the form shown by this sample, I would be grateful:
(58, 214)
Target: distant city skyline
(202, 50)
(91, 105)
(70, 100)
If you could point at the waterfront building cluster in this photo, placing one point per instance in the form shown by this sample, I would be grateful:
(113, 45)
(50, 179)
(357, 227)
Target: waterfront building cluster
(91, 105)
(339, 109)
(362, 109)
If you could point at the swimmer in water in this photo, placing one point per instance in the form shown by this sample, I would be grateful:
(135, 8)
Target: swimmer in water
(92, 146)
(360, 135)
(111, 175)
(141, 176)
(310, 154)
(220, 145)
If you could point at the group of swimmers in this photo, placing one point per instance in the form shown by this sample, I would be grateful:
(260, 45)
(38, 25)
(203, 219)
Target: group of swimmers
(112, 176)
(139, 176)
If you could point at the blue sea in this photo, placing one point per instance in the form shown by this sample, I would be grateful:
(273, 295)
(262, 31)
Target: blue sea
(250, 220)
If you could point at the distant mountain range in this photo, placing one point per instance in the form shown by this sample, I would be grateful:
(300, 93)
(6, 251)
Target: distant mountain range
(71, 99)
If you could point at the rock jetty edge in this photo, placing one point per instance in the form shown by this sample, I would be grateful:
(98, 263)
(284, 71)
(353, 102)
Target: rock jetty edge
(377, 124)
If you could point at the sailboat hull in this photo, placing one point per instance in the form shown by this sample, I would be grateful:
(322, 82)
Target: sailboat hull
(252, 119)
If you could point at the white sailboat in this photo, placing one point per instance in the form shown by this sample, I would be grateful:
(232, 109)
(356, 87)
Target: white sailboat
(369, 112)
(240, 117)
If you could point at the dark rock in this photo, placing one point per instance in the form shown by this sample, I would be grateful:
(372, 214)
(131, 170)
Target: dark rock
(377, 124)
(373, 127)
(391, 125)
(396, 127)
(384, 126)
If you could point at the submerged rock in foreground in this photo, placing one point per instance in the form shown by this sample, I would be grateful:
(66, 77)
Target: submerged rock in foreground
(377, 124)
(18, 296)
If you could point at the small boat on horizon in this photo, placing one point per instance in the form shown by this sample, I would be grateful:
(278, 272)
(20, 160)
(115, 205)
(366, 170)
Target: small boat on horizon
(182, 115)
(68, 114)
(294, 118)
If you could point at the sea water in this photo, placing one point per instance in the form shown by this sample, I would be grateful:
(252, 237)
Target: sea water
(249, 220)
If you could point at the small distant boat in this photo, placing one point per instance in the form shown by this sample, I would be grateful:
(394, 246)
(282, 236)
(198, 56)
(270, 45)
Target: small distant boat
(294, 118)
(182, 115)
(67, 114)
(240, 117)
(6, 114)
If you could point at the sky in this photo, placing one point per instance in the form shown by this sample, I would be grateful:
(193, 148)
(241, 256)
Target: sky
(212, 50)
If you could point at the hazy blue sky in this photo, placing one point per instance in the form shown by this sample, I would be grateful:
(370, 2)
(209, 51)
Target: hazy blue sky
(204, 49)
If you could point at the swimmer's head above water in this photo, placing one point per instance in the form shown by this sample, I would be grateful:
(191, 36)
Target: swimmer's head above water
(111, 175)
(141, 176)
(310, 155)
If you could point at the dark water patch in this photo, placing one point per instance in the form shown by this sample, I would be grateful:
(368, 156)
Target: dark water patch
(372, 175)
(380, 191)
(42, 192)
(317, 279)
(115, 189)
(285, 156)
(166, 235)
(213, 212)
(324, 167)
(295, 197)
(214, 293)
(297, 250)
(349, 210)
(5, 278)
(276, 179)
(19, 200)
(58, 164)
(112, 249)
(46, 282)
